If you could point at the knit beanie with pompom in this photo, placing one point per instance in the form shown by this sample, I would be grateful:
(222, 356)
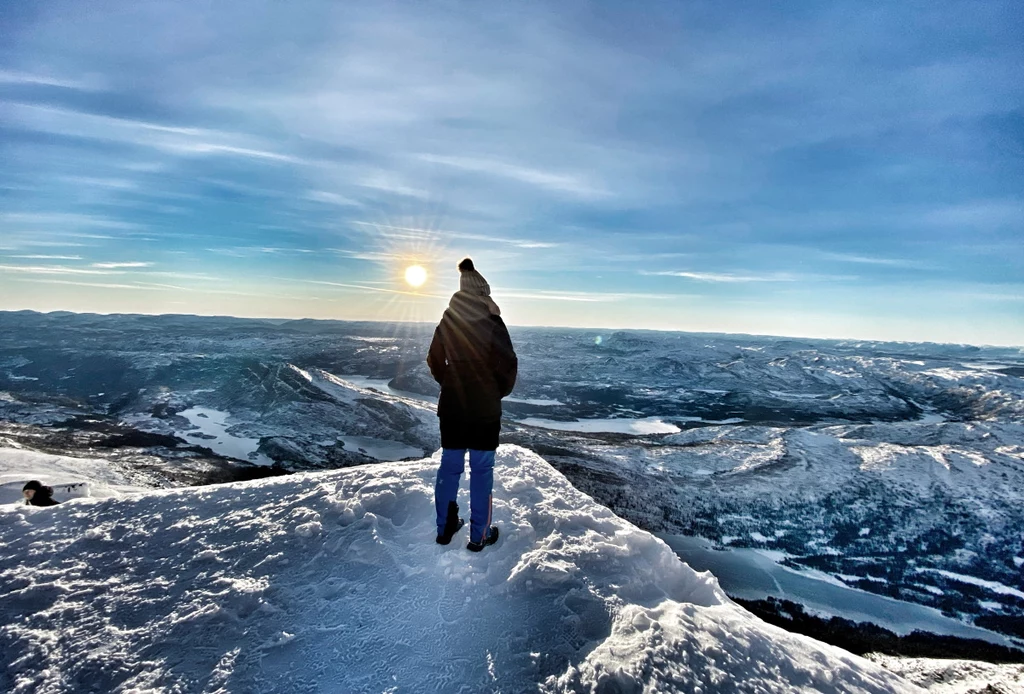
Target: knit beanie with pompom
(472, 281)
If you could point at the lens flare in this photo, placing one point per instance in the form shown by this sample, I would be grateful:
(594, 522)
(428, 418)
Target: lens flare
(415, 275)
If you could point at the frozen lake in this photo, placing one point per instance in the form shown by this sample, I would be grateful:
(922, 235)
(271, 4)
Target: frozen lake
(752, 575)
(540, 402)
(381, 384)
(214, 423)
(381, 449)
(647, 425)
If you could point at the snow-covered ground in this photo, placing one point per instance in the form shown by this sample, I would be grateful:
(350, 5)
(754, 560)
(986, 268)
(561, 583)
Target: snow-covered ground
(70, 477)
(331, 582)
(947, 676)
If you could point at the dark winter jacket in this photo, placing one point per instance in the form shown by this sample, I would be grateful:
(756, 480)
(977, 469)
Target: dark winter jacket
(43, 495)
(472, 357)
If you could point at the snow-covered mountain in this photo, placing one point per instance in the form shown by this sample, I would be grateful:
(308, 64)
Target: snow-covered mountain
(331, 582)
(894, 468)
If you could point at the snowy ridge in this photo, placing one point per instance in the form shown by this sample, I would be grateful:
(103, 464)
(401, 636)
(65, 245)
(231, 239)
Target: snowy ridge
(331, 582)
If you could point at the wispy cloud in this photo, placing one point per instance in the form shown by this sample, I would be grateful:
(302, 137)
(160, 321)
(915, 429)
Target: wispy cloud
(46, 257)
(331, 198)
(538, 177)
(363, 287)
(97, 182)
(724, 276)
(232, 252)
(975, 213)
(371, 256)
(38, 243)
(214, 148)
(586, 297)
(877, 260)
(114, 266)
(95, 285)
(136, 271)
(282, 250)
(141, 133)
(253, 251)
(67, 221)
(428, 233)
(517, 242)
(729, 278)
(27, 78)
(150, 286)
(389, 182)
(53, 270)
(202, 277)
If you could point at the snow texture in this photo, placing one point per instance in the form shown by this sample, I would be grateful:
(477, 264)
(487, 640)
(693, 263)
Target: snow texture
(942, 676)
(331, 582)
(973, 580)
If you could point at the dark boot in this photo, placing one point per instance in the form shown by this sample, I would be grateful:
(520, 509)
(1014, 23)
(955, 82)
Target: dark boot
(452, 524)
(490, 539)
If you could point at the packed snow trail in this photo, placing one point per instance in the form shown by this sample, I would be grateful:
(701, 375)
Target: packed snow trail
(332, 582)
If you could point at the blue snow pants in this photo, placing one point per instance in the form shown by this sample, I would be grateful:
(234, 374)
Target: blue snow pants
(481, 481)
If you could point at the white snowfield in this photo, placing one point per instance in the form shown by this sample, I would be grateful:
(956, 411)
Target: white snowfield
(332, 582)
(70, 477)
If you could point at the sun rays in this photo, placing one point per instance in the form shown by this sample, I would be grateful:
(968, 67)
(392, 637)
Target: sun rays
(407, 251)
(415, 275)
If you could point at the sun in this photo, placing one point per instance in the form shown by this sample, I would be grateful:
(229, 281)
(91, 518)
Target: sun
(415, 275)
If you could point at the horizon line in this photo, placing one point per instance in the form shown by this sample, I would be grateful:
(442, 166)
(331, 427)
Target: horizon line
(520, 325)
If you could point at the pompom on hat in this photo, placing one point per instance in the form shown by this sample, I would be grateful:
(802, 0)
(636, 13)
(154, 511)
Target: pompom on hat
(472, 281)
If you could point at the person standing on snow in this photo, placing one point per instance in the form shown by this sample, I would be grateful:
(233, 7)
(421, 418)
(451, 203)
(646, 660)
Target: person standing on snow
(472, 357)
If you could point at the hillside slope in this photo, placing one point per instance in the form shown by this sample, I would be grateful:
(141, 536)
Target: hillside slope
(330, 582)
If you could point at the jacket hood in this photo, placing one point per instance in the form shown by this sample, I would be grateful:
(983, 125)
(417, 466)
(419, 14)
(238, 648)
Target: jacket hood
(472, 307)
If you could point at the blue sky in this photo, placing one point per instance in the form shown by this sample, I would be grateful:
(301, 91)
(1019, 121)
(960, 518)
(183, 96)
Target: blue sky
(829, 169)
